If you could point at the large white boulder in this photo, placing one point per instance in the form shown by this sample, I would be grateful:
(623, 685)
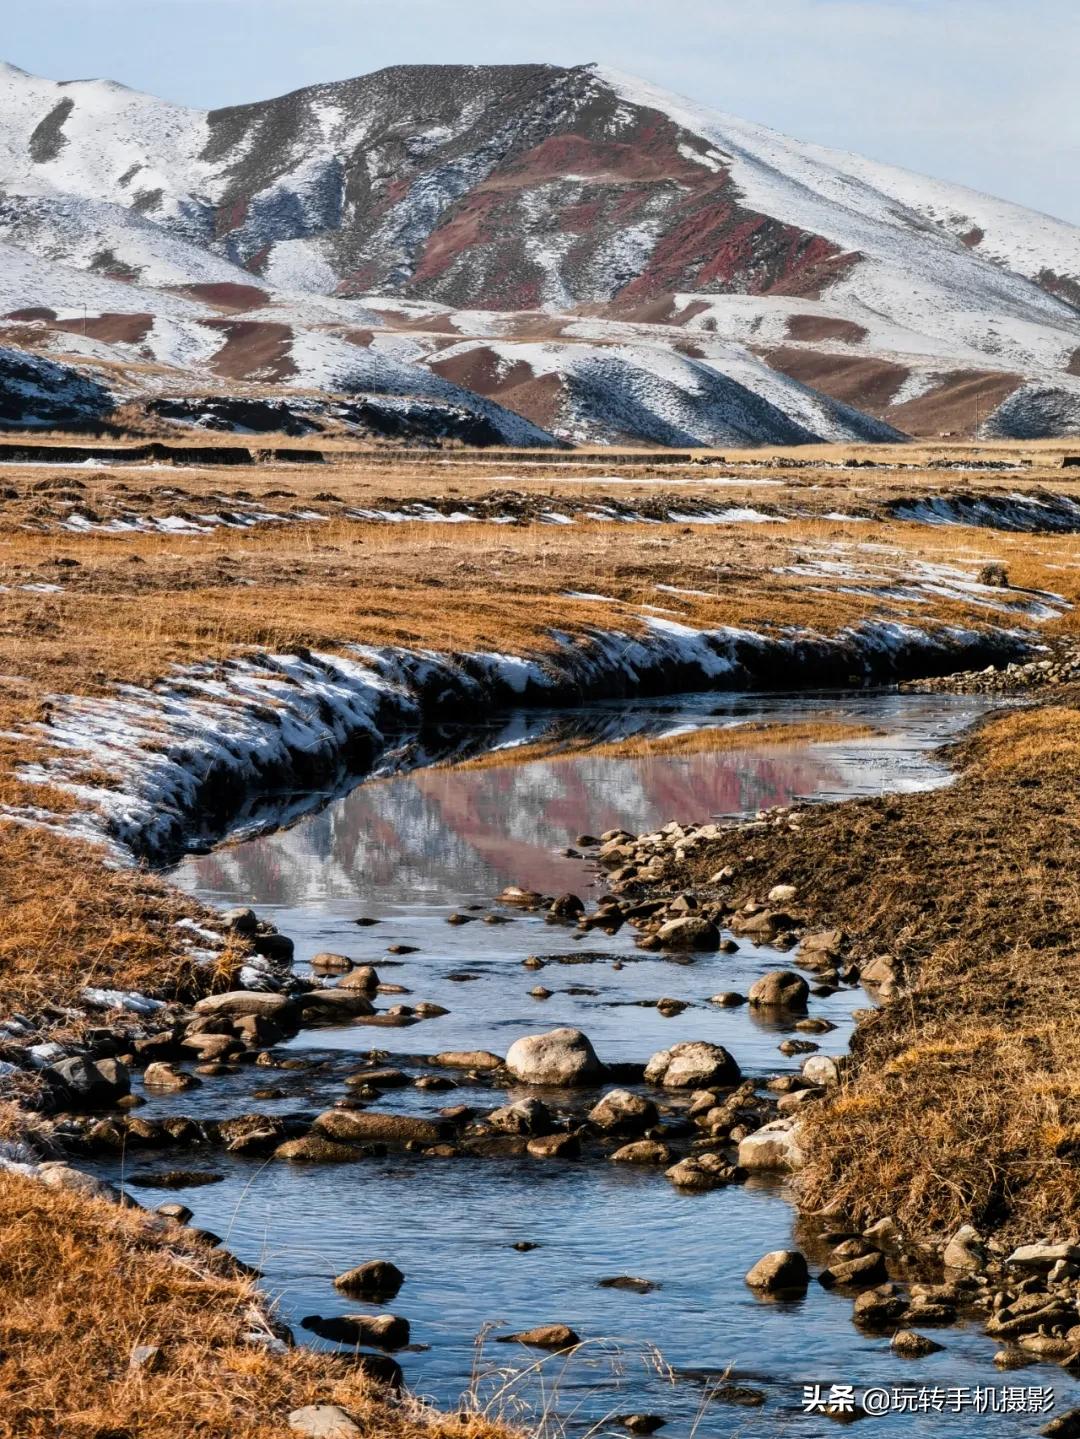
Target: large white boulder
(561, 1058)
(772, 1149)
(694, 1064)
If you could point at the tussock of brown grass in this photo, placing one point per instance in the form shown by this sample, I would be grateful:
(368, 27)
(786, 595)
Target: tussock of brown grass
(70, 922)
(84, 1282)
(1044, 742)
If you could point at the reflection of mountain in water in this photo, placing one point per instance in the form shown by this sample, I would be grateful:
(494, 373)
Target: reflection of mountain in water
(440, 834)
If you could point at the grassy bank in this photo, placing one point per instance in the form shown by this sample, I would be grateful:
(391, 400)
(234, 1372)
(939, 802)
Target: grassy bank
(71, 922)
(963, 1101)
(113, 1328)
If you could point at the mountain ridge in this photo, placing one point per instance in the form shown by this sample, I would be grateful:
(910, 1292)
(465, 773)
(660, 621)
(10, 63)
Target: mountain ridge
(572, 205)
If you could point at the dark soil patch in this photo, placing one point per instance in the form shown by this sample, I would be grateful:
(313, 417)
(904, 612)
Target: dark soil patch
(957, 404)
(253, 347)
(867, 384)
(113, 329)
(227, 295)
(825, 327)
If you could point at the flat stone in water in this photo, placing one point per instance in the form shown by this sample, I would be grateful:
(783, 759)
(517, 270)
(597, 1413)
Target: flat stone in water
(380, 1078)
(630, 1282)
(383, 1331)
(174, 1178)
(467, 1059)
(317, 1149)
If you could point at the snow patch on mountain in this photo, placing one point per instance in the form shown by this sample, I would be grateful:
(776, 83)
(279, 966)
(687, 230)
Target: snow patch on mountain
(327, 363)
(30, 281)
(1035, 410)
(95, 138)
(619, 391)
(36, 392)
(908, 267)
(298, 265)
(107, 238)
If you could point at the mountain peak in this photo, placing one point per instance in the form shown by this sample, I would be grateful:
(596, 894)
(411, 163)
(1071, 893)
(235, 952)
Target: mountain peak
(600, 206)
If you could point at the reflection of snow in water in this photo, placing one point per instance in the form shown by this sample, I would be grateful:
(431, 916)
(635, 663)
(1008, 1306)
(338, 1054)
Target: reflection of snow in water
(444, 832)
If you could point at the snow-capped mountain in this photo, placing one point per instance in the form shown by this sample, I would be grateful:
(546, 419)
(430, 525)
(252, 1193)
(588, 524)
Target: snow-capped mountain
(612, 261)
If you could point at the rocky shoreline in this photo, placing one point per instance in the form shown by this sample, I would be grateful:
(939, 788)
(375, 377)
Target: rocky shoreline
(1060, 667)
(688, 884)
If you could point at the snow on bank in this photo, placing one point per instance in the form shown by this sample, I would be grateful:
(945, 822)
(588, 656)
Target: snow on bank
(187, 752)
(1040, 513)
(200, 524)
(1033, 513)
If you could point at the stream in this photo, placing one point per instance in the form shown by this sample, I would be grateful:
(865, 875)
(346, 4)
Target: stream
(408, 849)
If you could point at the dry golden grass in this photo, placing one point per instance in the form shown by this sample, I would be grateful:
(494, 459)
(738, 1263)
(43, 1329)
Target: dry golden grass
(85, 1282)
(712, 740)
(138, 603)
(1044, 742)
(70, 922)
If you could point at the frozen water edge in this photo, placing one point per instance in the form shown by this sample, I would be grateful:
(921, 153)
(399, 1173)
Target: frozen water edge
(206, 738)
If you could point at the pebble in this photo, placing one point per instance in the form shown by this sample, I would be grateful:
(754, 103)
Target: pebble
(910, 1345)
(323, 1421)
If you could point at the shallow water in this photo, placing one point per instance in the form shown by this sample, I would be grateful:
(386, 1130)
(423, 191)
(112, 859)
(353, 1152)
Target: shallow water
(407, 850)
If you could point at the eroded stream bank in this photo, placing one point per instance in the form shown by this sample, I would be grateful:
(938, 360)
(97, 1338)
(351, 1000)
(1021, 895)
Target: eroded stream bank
(410, 852)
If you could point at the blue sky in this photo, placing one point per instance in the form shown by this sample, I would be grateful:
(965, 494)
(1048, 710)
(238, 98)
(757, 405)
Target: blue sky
(983, 92)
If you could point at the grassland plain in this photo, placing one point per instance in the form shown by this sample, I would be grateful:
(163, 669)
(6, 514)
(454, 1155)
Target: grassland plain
(962, 1096)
